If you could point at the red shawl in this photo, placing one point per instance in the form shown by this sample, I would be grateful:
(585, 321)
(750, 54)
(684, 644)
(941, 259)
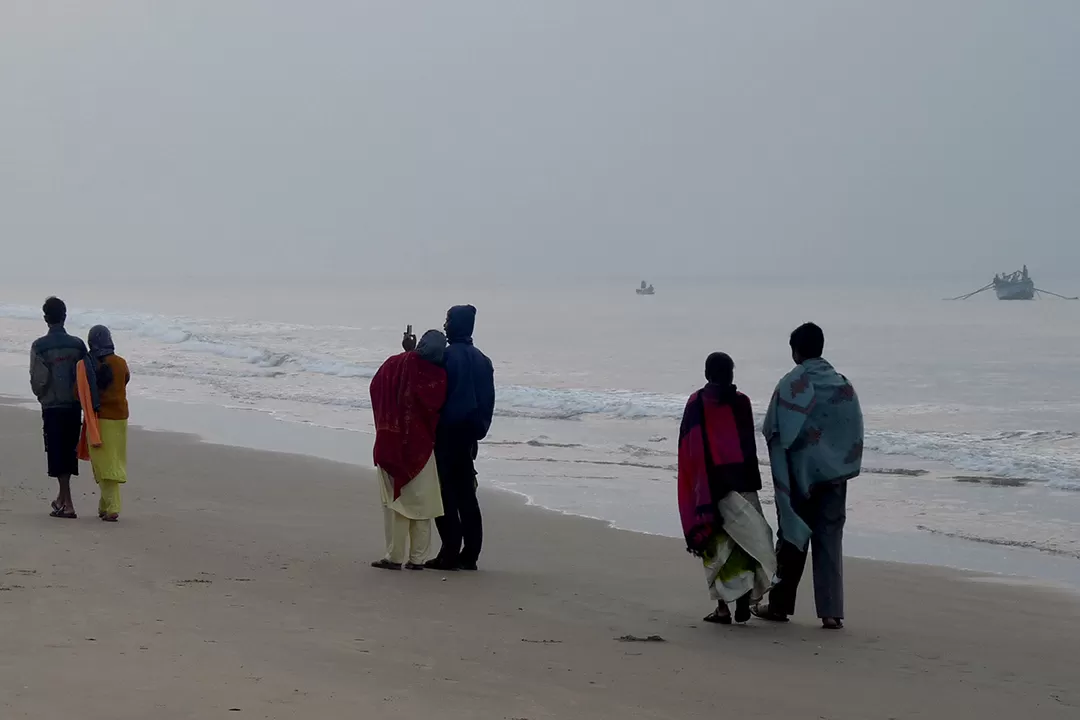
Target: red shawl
(717, 455)
(406, 395)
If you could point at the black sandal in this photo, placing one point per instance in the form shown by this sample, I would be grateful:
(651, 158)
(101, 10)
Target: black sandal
(716, 618)
(413, 566)
(64, 514)
(832, 624)
(385, 564)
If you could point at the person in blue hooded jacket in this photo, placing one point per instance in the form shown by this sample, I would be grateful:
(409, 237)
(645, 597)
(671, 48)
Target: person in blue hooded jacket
(464, 422)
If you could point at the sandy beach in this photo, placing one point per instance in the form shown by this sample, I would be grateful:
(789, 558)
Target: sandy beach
(237, 585)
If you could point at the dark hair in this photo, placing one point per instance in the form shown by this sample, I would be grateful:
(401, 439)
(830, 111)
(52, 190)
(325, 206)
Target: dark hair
(103, 372)
(720, 368)
(808, 341)
(55, 311)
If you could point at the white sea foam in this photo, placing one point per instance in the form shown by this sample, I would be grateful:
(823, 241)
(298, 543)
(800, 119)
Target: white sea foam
(1048, 456)
(566, 404)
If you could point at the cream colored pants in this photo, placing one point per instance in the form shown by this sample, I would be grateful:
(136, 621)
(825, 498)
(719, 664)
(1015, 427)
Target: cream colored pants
(405, 535)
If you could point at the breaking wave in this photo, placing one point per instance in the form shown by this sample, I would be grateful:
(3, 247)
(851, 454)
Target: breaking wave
(195, 337)
(1052, 457)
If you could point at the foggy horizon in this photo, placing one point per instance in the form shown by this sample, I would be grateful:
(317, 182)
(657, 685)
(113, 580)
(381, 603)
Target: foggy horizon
(621, 139)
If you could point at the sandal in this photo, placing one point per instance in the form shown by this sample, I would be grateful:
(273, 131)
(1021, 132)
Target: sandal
(61, 513)
(440, 564)
(764, 612)
(413, 566)
(110, 518)
(385, 564)
(719, 618)
(832, 623)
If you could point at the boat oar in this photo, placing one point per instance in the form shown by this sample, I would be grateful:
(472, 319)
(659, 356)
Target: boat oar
(972, 294)
(1047, 292)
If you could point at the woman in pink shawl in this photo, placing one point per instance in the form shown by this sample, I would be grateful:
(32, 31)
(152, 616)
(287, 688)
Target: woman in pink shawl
(719, 479)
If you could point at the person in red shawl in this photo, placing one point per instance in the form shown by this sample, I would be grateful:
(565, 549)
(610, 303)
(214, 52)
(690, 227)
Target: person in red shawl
(407, 394)
(719, 479)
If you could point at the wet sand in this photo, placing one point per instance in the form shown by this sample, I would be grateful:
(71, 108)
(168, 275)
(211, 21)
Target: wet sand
(237, 585)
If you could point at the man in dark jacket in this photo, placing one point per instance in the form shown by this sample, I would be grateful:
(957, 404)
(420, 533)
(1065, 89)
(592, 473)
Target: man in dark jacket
(53, 359)
(465, 420)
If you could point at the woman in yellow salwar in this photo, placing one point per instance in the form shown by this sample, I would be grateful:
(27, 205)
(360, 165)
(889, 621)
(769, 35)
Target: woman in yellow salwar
(109, 460)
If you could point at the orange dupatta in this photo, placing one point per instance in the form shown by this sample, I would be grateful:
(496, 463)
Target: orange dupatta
(91, 432)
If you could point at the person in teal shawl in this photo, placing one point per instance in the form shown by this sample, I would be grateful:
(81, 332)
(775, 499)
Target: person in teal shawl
(814, 432)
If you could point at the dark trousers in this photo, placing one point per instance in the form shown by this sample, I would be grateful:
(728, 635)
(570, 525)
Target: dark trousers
(825, 511)
(461, 523)
(61, 428)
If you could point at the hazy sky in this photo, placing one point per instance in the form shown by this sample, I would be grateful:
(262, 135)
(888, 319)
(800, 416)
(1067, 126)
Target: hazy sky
(627, 136)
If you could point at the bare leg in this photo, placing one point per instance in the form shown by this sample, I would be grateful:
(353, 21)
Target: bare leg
(721, 616)
(742, 609)
(65, 493)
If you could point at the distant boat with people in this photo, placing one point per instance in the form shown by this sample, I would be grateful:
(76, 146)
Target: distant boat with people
(646, 289)
(1016, 285)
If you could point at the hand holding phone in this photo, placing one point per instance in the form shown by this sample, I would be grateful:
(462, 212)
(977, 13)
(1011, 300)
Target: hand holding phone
(408, 340)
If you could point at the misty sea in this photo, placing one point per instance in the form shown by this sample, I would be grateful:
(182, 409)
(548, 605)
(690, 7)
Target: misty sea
(972, 408)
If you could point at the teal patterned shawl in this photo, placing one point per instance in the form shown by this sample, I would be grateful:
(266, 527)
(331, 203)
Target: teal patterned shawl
(814, 432)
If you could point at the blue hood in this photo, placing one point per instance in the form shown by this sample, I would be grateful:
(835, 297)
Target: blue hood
(470, 377)
(460, 323)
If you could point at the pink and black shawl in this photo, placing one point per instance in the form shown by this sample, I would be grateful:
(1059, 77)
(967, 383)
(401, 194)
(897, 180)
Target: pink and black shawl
(717, 455)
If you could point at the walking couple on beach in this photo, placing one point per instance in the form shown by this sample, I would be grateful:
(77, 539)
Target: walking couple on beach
(432, 404)
(84, 409)
(814, 434)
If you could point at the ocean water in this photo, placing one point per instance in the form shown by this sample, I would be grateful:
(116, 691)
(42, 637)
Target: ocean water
(972, 408)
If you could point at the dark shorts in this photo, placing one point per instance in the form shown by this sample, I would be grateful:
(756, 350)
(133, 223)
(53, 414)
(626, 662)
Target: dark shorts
(61, 428)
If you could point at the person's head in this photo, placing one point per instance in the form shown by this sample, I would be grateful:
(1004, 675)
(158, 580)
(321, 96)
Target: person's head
(460, 322)
(55, 311)
(807, 343)
(720, 369)
(432, 347)
(100, 341)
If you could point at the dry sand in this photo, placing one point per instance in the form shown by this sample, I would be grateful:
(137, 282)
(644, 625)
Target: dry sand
(237, 586)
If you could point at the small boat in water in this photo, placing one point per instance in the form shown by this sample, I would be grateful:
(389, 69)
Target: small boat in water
(645, 289)
(1014, 286)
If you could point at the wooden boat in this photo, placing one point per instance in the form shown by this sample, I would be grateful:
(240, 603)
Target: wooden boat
(1014, 286)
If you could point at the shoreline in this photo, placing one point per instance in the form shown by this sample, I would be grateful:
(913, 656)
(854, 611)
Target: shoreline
(239, 579)
(263, 431)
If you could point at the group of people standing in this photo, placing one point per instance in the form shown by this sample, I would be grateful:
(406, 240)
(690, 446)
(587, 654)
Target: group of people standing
(813, 430)
(432, 406)
(84, 410)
